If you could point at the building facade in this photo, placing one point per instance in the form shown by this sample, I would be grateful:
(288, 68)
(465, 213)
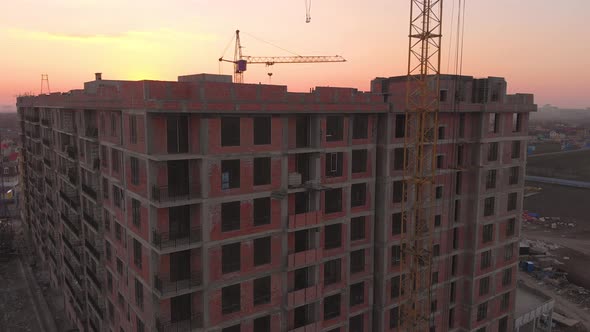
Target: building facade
(211, 206)
(477, 204)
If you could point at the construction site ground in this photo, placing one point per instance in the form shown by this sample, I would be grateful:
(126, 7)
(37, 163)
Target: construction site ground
(568, 210)
(27, 303)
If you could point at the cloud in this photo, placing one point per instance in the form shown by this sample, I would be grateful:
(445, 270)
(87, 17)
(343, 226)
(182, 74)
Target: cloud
(7, 108)
(158, 35)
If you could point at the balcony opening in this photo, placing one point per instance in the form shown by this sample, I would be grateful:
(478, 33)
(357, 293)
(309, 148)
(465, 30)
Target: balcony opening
(137, 253)
(513, 178)
(333, 201)
(486, 259)
(262, 130)
(437, 220)
(398, 159)
(333, 236)
(332, 306)
(180, 308)
(304, 315)
(360, 126)
(439, 192)
(262, 290)
(358, 194)
(396, 287)
(261, 171)
(134, 170)
(261, 211)
(443, 95)
(334, 164)
(230, 257)
(516, 122)
(400, 125)
(398, 191)
(262, 324)
(233, 328)
(515, 149)
(503, 324)
(303, 278)
(302, 164)
(179, 222)
(230, 131)
(451, 318)
(511, 227)
(180, 265)
(359, 161)
(461, 125)
(484, 286)
(357, 228)
(493, 123)
(512, 201)
(230, 216)
(441, 132)
(396, 255)
(454, 265)
(178, 178)
(394, 317)
(230, 299)
(456, 238)
(332, 272)
(357, 261)
(334, 128)
(304, 240)
(458, 183)
(488, 233)
(303, 132)
(133, 129)
(356, 323)
(396, 224)
(177, 134)
(491, 179)
(489, 205)
(262, 251)
(440, 159)
(493, 151)
(460, 152)
(357, 294)
(230, 174)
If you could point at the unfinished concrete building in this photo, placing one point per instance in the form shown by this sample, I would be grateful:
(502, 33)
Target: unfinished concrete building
(480, 164)
(203, 205)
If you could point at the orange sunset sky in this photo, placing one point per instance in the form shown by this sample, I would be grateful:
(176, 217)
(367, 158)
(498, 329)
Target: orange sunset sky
(540, 46)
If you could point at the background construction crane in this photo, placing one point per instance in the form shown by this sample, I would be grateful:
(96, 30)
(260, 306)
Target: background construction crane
(241, 61)
(422, 106)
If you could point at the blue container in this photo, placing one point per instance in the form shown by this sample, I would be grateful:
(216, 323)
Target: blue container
(242, 64)
(528, 266)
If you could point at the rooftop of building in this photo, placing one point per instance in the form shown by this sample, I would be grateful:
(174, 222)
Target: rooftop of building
(529, 299)
(206, 92)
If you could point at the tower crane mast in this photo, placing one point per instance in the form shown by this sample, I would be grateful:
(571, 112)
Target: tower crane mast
(241, 61)
(420, 145)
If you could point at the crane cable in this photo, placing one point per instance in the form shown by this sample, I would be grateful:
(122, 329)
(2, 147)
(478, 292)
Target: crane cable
(271, 44)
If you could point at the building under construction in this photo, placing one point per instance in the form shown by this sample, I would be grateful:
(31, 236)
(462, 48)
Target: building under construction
(205, 205)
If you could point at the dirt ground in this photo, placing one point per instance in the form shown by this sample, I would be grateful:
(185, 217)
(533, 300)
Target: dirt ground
(571, 166)
(572, 205)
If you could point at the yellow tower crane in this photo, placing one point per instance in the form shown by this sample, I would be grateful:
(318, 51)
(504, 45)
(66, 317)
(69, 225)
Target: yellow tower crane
(422, 106)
